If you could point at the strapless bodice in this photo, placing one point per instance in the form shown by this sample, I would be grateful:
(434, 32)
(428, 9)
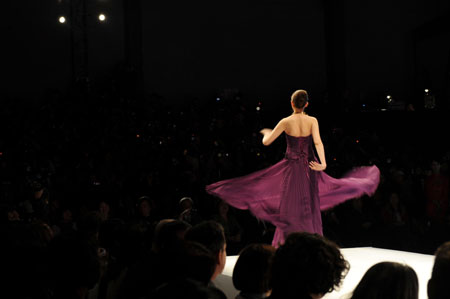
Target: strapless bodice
(299, 148)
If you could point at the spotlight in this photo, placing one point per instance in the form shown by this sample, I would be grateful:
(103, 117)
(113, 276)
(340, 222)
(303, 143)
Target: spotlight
(62, 19)
(101, 17)
(389, 99)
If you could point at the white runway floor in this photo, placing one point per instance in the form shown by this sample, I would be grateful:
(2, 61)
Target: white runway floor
(360, 260)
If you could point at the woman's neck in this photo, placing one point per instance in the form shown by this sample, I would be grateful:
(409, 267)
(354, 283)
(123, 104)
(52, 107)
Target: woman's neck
(298, 112)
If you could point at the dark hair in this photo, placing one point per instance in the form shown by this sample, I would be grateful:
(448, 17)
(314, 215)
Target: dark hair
(388, 280)
(198, 262)
(438, 283)
(307, 264)
(187, 288)
(252, 270)
(74, 263)
(208, 233)
(300, 98)
(169, 234)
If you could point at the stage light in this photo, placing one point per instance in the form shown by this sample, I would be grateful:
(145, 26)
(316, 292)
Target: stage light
(389, 99)
(426, 90)
(62, 19)
(101, 17)
(258, 108)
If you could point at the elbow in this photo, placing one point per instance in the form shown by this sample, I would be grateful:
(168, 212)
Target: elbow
(266, 141)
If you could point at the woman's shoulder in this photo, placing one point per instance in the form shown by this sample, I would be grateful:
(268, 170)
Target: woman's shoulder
(312, 118)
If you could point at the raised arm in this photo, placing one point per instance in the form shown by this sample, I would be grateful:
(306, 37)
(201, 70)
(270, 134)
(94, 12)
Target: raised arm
(271, 135)
(319, 148)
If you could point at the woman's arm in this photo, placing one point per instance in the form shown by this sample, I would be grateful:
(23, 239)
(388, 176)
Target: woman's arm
(271, 135)
(319, 148)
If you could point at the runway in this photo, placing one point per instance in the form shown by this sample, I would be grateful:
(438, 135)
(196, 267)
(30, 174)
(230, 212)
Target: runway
(360, 259)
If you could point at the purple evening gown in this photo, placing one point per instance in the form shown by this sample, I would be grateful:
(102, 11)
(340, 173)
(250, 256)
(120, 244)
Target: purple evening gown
(291, 195)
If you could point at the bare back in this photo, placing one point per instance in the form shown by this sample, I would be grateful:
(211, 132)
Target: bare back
(299, 125)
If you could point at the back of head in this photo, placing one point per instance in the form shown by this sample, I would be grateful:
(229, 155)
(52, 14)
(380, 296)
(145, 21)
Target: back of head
(198, 262)
(208, 233)
(438, 284)
(306, 264)
(74, 264)
(300, 98)
(252, 270)
(169, 234)
(388, 280)
(187, 288)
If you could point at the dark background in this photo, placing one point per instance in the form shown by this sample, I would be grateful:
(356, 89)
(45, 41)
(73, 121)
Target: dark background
(346, 50)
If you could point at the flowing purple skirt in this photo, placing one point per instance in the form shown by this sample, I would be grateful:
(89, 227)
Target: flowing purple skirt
(290, 195)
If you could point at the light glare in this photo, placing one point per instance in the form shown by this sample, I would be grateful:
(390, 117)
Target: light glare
(62, 19)
(101, 17)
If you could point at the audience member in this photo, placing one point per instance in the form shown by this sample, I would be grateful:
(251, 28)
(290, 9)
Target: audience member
(145, 220)
(307, 266)
(388, 280)
(232, 228)
(159, 265)
(75, 266)
(197, 262)
(187, 288)
(251, 273)
(438, 283)
(188, 212)
(211, 235)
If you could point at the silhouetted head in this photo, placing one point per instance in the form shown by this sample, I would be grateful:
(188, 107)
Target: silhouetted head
(186, 203)
(307, 265)
(144, 206)
(187, 288)
(198, 262)
(388, 280)
(251, 273)
(169, 235)
(438, 283)
(299, 99)
(212, 236)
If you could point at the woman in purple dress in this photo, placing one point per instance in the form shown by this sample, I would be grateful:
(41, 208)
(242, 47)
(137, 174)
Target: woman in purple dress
(291, 193)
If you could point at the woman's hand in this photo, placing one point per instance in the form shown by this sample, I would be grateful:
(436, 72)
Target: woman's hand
(265, 131)
(316, 166)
